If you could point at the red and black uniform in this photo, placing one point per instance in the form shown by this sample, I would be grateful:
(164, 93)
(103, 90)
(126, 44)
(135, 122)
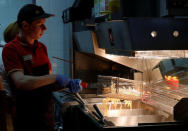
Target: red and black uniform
(33, 107)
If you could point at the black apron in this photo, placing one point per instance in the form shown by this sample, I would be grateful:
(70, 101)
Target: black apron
(34, 109)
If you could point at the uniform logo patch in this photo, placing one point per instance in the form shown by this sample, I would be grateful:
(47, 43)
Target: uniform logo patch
(27, 57)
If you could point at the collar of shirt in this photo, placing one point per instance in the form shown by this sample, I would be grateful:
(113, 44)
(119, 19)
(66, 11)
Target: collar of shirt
(35, 45)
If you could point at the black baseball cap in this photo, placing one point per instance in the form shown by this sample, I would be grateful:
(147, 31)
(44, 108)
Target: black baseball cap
(31, 12)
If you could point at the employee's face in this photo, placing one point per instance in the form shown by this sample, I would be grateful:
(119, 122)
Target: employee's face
(37, 28)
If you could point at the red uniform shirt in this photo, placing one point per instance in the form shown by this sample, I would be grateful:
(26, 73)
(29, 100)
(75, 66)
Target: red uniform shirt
(19, 56)
(33, 107)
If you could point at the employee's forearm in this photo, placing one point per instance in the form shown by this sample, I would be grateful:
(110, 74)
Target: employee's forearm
(33, 82)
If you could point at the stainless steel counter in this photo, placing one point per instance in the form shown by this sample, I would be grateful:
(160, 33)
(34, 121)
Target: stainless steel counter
(130, 113)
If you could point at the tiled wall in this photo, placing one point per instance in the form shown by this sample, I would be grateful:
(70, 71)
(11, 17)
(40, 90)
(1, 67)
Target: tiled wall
(58, 36)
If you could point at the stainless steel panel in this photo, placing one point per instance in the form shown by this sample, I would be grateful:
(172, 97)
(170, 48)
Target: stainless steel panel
(134, 120)
(137, 113)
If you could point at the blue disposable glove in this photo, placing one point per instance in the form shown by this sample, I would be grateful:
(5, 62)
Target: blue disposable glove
(75, 85)
(62, 80)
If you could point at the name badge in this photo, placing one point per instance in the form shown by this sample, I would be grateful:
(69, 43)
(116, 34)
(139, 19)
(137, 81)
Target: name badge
(27, 57)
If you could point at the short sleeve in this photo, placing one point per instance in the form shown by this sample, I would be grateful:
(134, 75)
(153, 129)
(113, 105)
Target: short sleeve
(11, 59)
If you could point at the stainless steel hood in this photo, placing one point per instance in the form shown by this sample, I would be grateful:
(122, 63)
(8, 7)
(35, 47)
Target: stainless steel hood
(125, 37)
(148, 40)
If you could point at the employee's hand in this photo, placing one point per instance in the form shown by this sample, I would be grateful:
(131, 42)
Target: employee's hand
(75, 85)
(62, 80)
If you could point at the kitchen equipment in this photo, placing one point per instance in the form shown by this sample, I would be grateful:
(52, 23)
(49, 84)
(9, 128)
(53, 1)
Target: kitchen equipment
(139, 94)
(101, 117)
(134, 71)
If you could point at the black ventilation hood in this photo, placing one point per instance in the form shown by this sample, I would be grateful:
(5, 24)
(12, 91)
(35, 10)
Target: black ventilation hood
(142, 34)
(81, 9)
